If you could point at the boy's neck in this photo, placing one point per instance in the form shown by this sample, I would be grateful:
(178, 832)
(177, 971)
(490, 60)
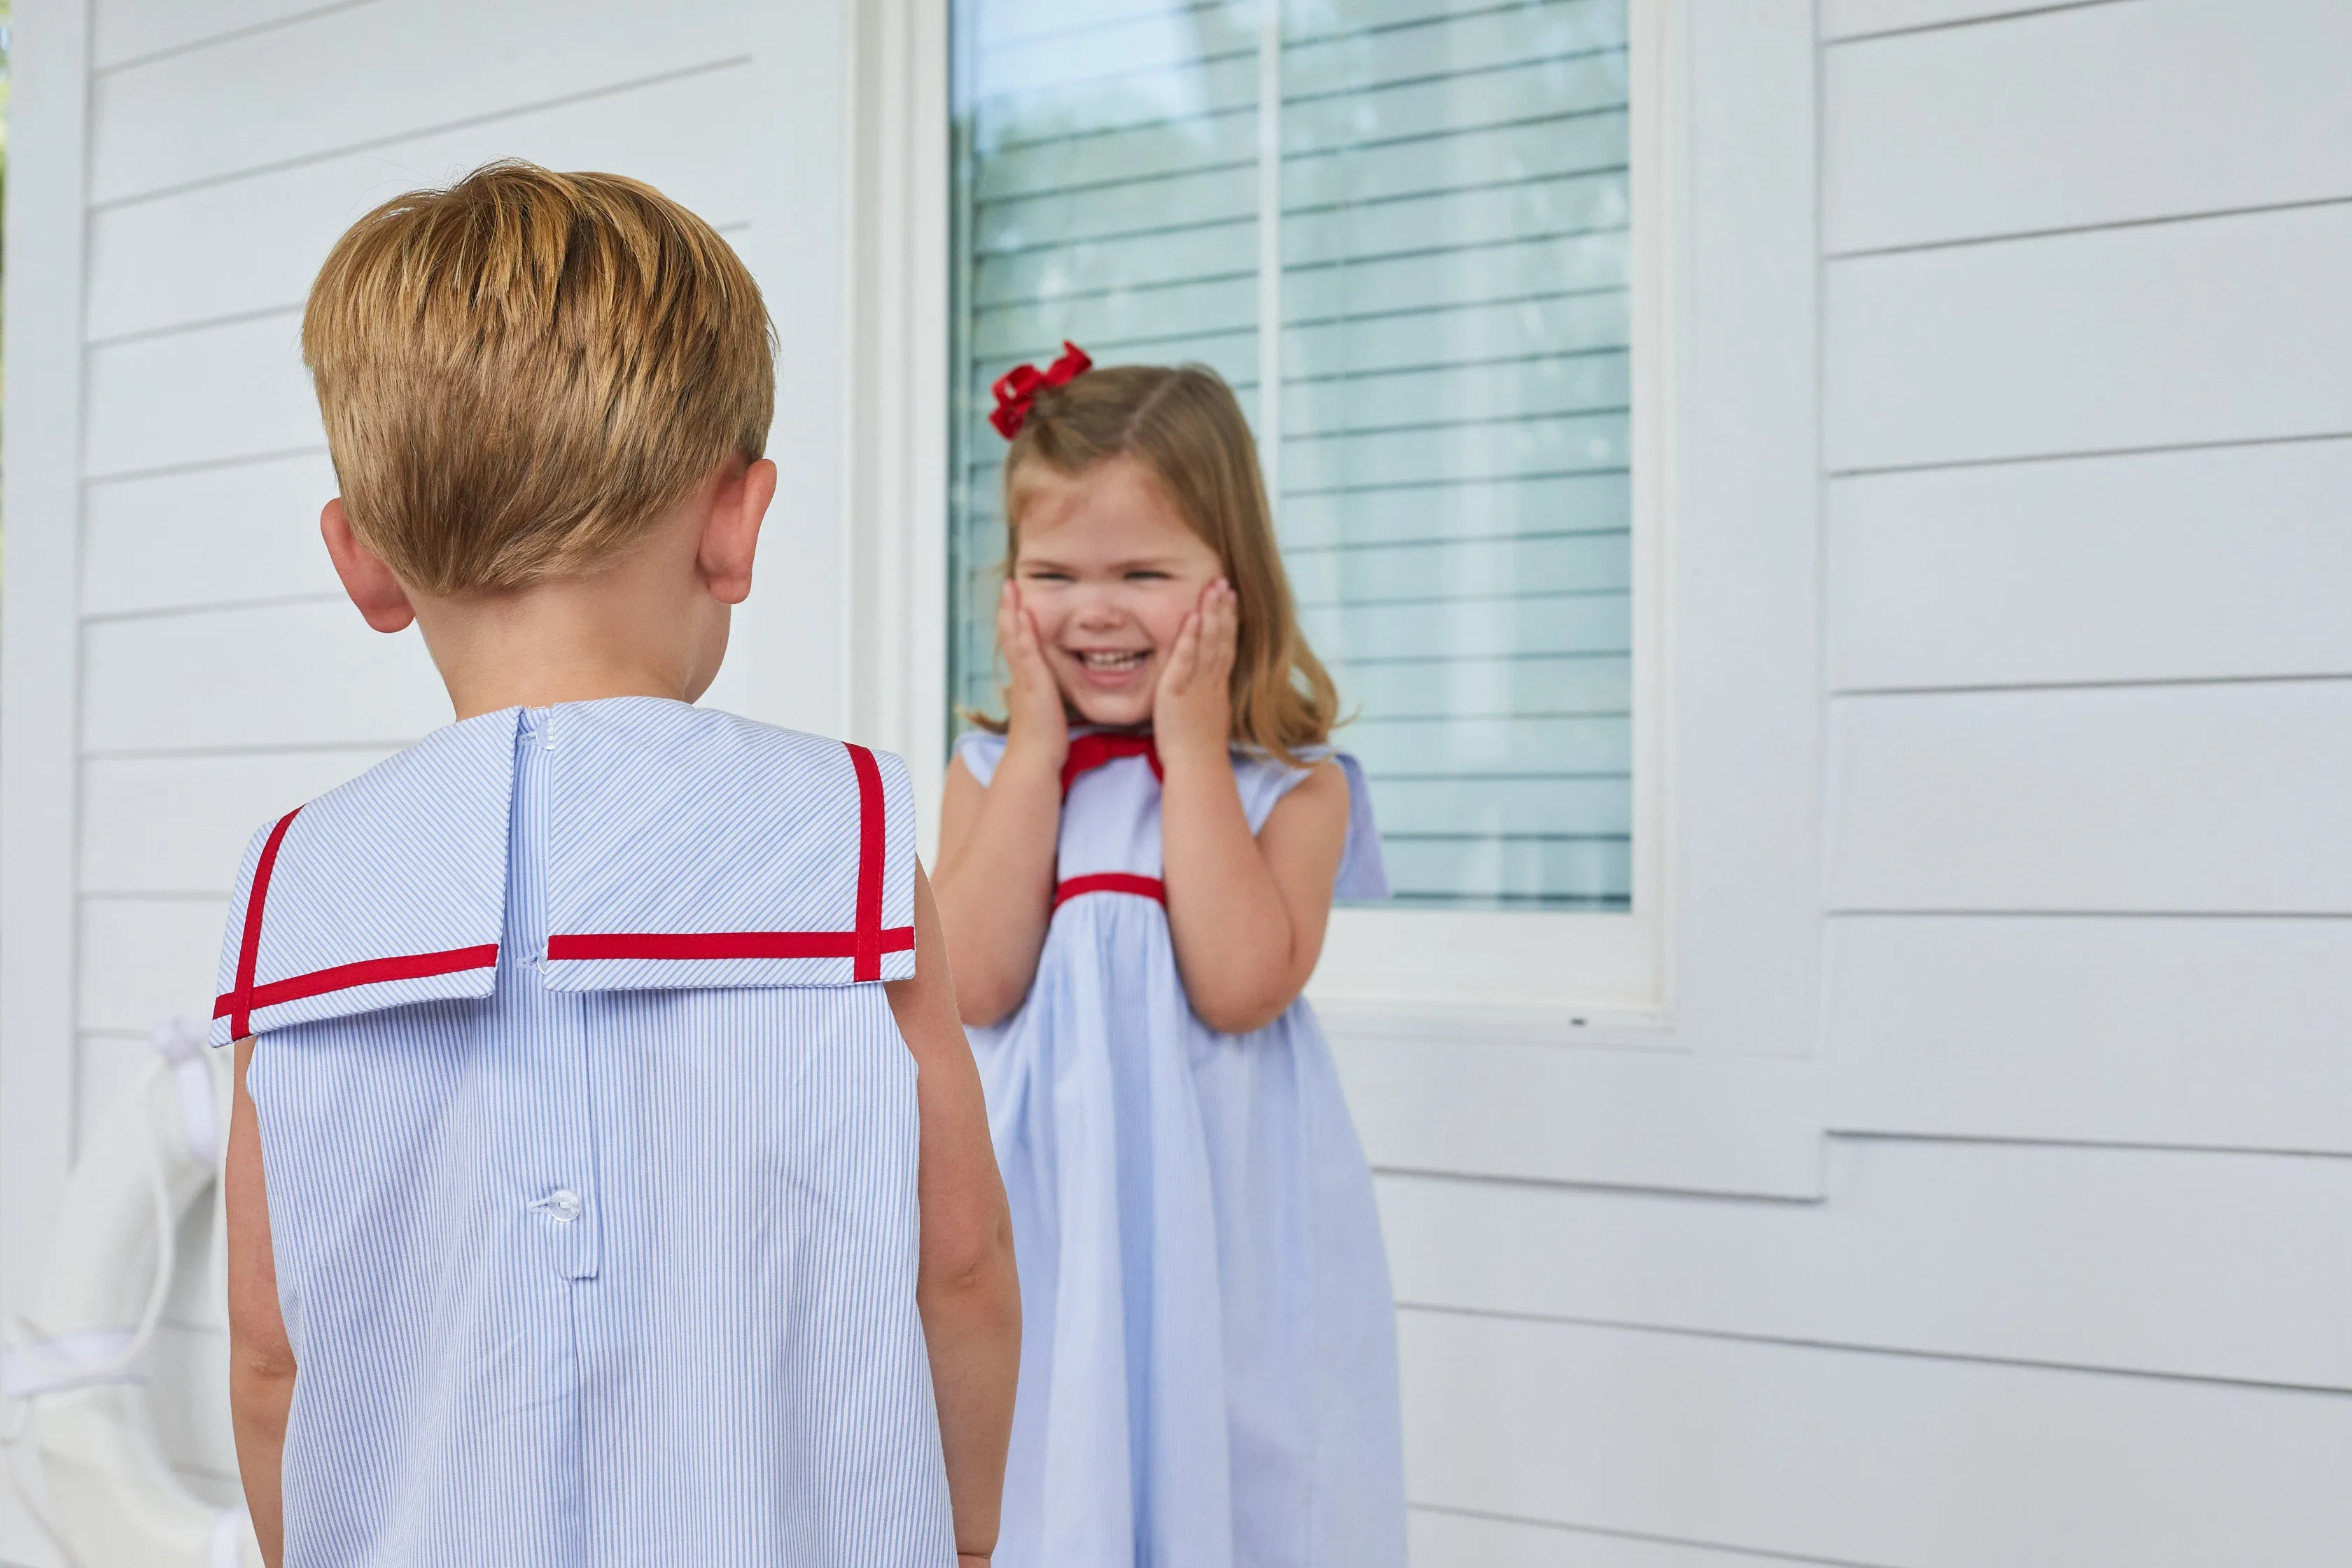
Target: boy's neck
(637, 628)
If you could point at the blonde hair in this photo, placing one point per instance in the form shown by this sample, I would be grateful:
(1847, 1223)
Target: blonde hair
(522, 372)
(1182, 424)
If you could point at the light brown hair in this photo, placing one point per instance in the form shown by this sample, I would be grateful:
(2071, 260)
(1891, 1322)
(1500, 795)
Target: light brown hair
(1184, 425)
(522, 372)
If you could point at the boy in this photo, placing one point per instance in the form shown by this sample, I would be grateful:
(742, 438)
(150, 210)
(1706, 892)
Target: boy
(609, 1181)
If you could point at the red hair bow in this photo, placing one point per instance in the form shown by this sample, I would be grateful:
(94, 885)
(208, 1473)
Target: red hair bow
(1017, 388)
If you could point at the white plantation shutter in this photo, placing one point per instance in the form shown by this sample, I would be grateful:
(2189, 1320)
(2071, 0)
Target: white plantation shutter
(1450, 446)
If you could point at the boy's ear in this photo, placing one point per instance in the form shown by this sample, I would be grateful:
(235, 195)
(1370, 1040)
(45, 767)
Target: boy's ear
(730, 535)
(382, 602)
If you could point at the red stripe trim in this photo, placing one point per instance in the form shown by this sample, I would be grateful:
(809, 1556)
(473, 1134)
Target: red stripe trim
(730, 944)
(1151, 888)
(866, 958)
(366, 971)
(249, 951)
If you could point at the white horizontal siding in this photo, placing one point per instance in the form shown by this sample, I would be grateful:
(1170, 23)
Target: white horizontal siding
(209, 396)
(125, 30)
(254, 243)
(2204, 1033)
(2179, 799)
(2112, 113)
(2129, 1260)
(2229, 562)
(303, 675)
(208, 536)
(1617, 1116)
(145, 961)
(1842, 19)
(1449, 1539)
(367, 74)
(217, 801)
(2224, 329)
(1859, 1457)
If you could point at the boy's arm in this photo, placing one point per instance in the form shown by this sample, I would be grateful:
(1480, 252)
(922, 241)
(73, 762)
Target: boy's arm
(261, 1362)
(966, 1290)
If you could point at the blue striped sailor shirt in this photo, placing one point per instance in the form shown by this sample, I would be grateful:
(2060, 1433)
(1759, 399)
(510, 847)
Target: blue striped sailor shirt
(589, 1144)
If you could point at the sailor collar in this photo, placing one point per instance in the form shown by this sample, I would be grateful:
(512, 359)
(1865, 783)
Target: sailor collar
(685, 848)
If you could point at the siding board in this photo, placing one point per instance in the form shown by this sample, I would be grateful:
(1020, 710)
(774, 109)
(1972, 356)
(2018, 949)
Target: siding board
(1861, 1457)
(133, 29)
(2205, 1033)
(2125, 1260)
(1843, 19)
(2168, 799)
(227, 535)
(2217, 329)
(129, 847)
(2107, 114)
(1467, 1541)
(2231, 562)
(255, 243)
(1558, 1113)
(301, 676)
(369, 74)
(208, 396)
(146, 961)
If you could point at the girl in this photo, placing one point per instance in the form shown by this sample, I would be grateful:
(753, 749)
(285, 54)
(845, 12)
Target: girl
(1209, 1370)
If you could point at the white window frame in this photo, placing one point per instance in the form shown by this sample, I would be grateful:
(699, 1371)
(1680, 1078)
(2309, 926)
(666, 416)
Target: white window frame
(1721, 956)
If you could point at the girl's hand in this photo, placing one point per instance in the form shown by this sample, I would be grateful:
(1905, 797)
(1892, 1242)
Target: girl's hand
(1038, 727)
(1192, 709)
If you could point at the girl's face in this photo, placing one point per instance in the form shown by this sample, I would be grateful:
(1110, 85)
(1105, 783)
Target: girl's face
(1108, 570)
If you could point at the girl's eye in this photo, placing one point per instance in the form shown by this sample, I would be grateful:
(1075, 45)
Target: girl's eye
(1042, 575)
(1147, 576)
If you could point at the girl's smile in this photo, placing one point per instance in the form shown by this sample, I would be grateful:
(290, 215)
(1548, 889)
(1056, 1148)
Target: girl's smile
(1108, 570)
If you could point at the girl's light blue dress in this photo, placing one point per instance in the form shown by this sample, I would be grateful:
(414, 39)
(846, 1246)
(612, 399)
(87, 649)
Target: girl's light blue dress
(1208, 1375)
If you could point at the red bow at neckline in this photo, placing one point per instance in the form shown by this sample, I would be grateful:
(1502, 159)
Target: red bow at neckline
(1017, 388)
(1088, 753)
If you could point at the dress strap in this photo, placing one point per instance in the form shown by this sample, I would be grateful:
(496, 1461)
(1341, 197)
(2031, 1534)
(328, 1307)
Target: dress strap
(1088, 753)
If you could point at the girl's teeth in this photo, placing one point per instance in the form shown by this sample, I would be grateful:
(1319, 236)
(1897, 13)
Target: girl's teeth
(1111, 660)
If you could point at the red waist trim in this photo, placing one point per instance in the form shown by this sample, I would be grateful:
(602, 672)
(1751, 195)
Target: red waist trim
(1110, 882)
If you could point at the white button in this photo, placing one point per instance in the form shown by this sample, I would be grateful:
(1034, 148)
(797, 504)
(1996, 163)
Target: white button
(563, 1204)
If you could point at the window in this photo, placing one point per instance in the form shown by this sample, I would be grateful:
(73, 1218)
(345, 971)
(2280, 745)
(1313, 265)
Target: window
(1404, 230)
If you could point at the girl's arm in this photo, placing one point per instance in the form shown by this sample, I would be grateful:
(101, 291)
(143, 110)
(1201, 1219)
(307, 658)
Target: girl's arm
(1246, 912)
(997, 843)
(965, 1288)
(261, 1360)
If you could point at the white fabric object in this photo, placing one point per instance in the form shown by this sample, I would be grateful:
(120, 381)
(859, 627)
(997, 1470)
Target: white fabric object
(225, 1548)
(182, 1044)
(69, 1360)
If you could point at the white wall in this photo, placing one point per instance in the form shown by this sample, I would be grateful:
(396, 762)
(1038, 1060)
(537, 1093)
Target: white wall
(180, 667)
(2067, 1280)
(2079, 1288)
